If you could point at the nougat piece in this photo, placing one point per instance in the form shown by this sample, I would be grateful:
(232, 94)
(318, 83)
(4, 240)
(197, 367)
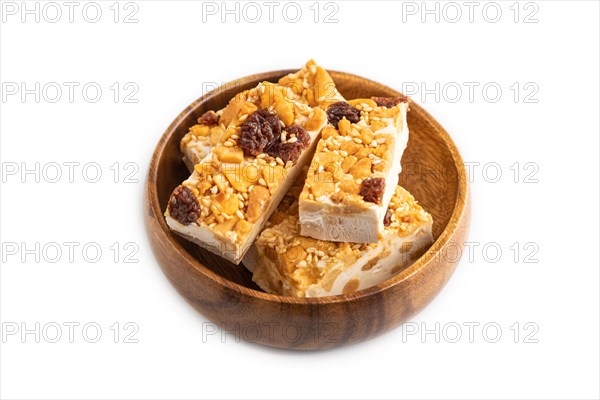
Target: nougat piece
(311, 85)
(354, 171)
(286, 263)
(268, 135)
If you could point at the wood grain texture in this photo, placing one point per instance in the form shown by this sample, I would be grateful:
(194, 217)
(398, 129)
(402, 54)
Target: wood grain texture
(433, 172)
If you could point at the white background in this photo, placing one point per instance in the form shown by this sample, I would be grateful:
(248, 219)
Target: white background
(170, 54)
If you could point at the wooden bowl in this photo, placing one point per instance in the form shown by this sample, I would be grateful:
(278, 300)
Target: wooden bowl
(224, 293)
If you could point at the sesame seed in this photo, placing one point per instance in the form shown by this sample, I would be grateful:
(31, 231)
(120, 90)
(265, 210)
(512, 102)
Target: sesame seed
(239, 214)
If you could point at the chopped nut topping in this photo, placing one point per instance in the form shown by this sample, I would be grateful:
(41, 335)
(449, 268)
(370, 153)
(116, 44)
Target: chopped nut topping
(228, 154)
(257, 202)
(216, 133)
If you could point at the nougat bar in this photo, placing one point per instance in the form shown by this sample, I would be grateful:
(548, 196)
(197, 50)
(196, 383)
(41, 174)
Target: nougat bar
(354, 172)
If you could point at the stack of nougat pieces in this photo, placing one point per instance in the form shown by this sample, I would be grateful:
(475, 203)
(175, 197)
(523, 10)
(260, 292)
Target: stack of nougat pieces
(302, 186)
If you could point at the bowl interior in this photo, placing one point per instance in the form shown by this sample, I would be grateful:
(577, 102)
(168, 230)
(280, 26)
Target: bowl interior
(429, 170)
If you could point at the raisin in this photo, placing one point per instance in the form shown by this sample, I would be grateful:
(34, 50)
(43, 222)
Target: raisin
(184, 206)
(372, 190)
(341, 109)
(387, 220)
(389, 102)
(259, 131)
(209, 118)
(290, 151)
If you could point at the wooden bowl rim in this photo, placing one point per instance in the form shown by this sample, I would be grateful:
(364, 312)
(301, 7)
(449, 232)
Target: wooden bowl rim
(428, 256)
